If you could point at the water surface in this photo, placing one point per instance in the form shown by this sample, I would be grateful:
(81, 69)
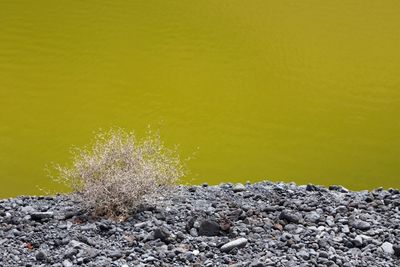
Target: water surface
(305, 91)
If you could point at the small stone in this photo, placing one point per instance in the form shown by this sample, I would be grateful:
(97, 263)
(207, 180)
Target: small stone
(239, 188)
(311, 187)
(362, 225)
(116, 254)
(76, 244)
(345, 229)
(396, 249)
(238, 243)
(358, 241)
(27, 209)
(387, 248)
(312, 217)
(257, 264)
(41, 255)
(38, 216)
(192, 189)
(162, 233)
(323, 254)
(338, 188)
(70, 253)
(209, 228)
(289, 216)
(67, 263)
(303, 254)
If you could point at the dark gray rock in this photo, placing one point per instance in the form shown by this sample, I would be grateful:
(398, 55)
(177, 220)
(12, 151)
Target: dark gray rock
(37, 216)
(163, 234)
(41, 256)
(396, 250)
(362, 225)
(209, 228)
(311, 187)
(289, 216)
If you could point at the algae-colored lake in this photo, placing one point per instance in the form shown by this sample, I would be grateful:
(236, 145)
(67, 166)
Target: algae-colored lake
(304, 91)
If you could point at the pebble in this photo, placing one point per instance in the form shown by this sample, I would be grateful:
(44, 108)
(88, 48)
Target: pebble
(238, 243)
(209, 228)
(260, 224)
(362, 225)
(396, 250)
(289, 216)
(41, 255)
(67, 263)
(239, 188)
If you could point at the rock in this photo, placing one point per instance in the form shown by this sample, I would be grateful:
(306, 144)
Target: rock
(338, 188)
(387, 248)
(340, 209)
(289, 216)
(323, 254)
(67, 263)
(257, 264)
(76, 244)
(239, 188)
(163, 234)
(303, 254)
(358, 241)
(115, 254)
(209, 228)
(238, 243)
(41, 255)
(362, 225)
(284, 224)
(70, 253)
(345, 229)
(27, 209)
(38, 216)
(311, 187)
(396, 250)
(312, 217)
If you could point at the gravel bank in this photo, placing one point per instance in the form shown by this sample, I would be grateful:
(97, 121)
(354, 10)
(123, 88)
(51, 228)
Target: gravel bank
(263, 224)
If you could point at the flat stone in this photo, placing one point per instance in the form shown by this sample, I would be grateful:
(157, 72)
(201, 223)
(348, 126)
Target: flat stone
(237, 243)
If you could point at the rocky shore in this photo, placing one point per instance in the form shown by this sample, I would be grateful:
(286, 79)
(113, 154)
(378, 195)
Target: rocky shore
(262, 224)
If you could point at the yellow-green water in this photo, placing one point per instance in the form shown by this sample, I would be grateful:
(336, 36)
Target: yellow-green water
(283, 90)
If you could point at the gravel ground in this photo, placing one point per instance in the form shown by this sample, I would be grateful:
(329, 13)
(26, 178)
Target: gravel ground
(262, 224)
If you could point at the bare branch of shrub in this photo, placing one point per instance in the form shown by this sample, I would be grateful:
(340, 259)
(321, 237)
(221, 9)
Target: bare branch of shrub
(119, 170)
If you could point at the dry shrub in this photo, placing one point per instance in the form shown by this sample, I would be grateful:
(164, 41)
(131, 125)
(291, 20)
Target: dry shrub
(119, 170)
